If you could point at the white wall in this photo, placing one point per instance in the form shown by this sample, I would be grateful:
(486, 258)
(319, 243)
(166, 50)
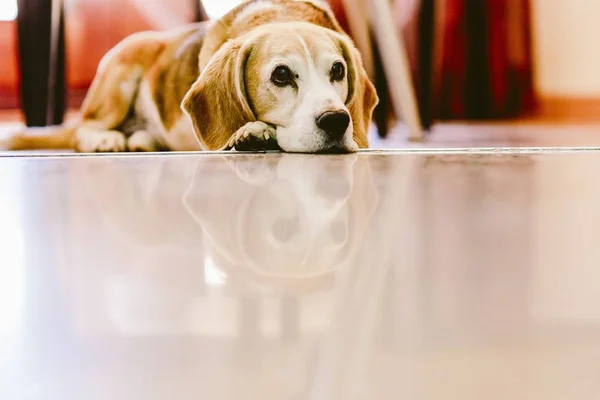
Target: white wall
(566, 36)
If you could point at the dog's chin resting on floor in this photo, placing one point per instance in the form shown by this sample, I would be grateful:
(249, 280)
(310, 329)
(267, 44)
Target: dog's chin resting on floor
(269, 75)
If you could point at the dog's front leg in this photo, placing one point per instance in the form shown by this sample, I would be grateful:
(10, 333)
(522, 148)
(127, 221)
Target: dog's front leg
(254, 136)
(93, 140)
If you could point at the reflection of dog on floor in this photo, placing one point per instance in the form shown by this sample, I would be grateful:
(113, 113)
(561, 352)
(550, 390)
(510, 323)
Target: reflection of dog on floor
(141, 202)
(284, 227)
(288, 222)
(150, 282)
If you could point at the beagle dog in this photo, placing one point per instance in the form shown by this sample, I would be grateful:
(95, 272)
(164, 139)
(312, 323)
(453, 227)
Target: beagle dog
(270, 74)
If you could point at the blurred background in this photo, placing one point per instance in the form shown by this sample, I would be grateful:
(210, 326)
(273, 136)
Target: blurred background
(481, 60)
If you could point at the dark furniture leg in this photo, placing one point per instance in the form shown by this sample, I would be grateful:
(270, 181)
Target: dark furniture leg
(42, 95)
(426, 62)
(382, 111)
(200, 13)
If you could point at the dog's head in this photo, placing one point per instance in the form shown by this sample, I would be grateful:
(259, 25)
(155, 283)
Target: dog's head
(306, 80)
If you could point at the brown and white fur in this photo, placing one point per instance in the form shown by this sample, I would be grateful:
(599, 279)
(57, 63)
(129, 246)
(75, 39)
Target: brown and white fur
(209, 86)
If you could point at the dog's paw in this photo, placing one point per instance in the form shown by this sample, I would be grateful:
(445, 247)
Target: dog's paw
(5, 143)
(141, 141)
(97, 141)
(254, 136)
(255, 169)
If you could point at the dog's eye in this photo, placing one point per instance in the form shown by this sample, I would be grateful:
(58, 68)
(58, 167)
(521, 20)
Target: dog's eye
(281, 76)
(337, 71)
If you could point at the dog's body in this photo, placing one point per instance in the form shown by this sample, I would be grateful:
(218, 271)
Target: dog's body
(270, 72)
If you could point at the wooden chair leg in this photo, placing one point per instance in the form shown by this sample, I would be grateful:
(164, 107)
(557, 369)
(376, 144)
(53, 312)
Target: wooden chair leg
(397, 68)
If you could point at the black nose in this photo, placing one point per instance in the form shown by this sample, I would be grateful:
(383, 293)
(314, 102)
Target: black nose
(334, 123)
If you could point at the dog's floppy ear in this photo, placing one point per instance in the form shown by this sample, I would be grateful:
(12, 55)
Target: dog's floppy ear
(362, 97)
(217, 102)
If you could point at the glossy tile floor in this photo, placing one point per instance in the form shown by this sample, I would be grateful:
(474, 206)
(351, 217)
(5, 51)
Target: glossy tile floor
(399, 275)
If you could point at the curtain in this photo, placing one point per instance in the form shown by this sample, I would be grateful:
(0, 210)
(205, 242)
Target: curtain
(475, 60)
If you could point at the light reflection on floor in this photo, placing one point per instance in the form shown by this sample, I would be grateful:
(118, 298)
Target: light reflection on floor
(12, 264)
